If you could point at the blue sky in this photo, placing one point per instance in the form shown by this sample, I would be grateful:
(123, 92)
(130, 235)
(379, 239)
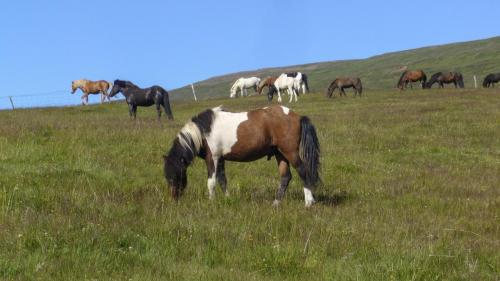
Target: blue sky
(46, 44)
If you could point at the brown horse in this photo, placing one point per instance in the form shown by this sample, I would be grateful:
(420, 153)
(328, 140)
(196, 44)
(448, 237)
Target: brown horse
(269, 83)
(217, 135)
(345, 82)
(410, 76)
(446, 78)
(91, 87)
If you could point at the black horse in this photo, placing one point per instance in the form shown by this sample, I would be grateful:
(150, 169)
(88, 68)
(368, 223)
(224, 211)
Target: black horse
(446, 78)
(136, 96)
(491, 79)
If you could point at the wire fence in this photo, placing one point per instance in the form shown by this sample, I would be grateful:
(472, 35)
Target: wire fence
(57, 98)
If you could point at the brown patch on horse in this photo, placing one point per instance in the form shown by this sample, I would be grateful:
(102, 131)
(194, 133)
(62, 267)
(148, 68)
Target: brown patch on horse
(266, 131)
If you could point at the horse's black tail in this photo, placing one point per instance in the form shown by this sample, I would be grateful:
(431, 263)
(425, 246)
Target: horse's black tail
(309, 152)
(359, 87)
(166, 104)
(304, 78)
(460, 80)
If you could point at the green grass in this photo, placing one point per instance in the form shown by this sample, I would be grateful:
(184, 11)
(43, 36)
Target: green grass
(479, 58)
(410, 192)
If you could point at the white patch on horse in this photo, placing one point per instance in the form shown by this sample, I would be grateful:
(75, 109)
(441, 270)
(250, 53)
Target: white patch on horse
(308, 197)
(224, 131)
(285, 109)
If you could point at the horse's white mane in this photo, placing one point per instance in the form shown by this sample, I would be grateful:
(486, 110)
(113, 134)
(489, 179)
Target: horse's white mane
(190, 132)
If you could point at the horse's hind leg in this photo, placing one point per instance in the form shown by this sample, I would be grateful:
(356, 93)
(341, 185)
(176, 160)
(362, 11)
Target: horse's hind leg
(221, 176)
(286, 176)
(299, 166)
(158, 110)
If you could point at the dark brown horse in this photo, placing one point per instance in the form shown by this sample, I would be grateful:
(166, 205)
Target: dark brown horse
(410, 76)
(136, 96)
(91, 87)
(269, 83)
(446, 78)
(345, 82)
(217, 135)
(491, 79)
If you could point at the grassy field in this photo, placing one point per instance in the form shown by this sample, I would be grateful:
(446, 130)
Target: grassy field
(479, 58)
(410, 192)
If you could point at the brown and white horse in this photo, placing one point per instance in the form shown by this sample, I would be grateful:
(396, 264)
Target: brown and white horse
(217, 135)
(91, 87)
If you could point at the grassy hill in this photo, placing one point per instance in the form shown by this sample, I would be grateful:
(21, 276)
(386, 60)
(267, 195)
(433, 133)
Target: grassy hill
(410, 192)
(379, 72)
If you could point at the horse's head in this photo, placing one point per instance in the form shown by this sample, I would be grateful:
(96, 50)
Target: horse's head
(73, 87)
(118, 86)
(175, 167)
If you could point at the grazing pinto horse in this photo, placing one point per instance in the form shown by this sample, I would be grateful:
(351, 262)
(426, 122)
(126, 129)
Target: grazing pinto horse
(289, 83)
(91, 87)
(345, 82)
(268, 82)
(446, 78)
(303, 83)
(243, 84)
(217, 135)
(491, 79)
(411, 76)
(136, 96)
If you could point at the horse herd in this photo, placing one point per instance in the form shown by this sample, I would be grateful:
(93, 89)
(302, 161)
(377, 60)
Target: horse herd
(293, 82)
(216, 135)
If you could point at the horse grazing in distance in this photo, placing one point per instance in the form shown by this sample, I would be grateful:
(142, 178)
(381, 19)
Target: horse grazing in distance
(243, 84)
(491, 79)
(136, 96)
(216, 135)
(269, 83)
(345, 82)
(446, 78)
(91, 88)
(289, 83)
(411, 76)
(303, 83)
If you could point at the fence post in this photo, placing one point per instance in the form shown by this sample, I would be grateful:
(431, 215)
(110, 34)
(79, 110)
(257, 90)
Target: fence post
(194, 93)
(11, 102)
(475, 82)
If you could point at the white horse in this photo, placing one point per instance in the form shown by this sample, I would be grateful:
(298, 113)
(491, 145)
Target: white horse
(292, 84)
(243, 84)
(304, 86)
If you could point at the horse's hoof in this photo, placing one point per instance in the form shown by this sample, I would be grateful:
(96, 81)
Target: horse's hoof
(276, 203)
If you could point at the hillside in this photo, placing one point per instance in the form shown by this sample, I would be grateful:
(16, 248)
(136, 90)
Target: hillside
(379, 72)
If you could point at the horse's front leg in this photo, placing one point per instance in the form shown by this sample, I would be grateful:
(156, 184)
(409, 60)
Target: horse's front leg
(130, 110)
(85, 99)
(212, 173)
(279, 95)
(286, 176)
(291, 91)
(221, 176)
(158, 110)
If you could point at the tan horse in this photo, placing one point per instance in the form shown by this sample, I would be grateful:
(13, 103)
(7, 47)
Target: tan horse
(410, 76)
(91, 87)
